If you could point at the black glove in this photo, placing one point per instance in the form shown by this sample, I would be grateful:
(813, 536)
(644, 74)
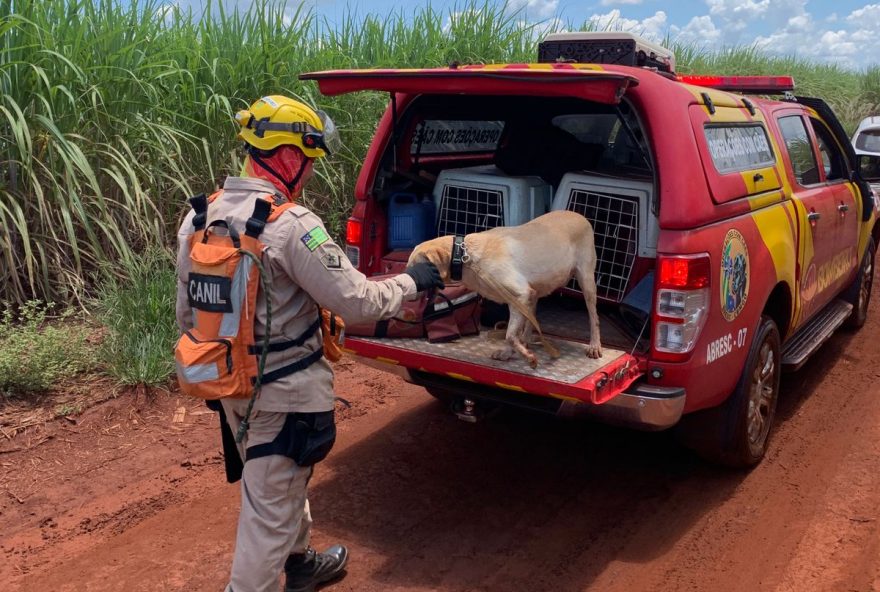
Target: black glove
(426, 276)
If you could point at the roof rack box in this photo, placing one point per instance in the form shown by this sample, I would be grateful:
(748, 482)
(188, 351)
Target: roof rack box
(615, 47)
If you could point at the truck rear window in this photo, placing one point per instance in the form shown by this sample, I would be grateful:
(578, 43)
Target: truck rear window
(737, 147)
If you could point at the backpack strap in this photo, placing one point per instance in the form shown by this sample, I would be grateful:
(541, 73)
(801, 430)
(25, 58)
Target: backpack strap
(199, 205)
(284, 345)
(278, 210)
(257, 222)
(293, 368)
(265, 211)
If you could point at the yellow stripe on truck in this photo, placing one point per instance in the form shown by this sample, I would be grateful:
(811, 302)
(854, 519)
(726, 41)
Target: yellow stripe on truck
(459, 376)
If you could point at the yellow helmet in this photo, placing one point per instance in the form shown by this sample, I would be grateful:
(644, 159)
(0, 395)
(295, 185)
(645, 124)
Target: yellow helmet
(278, 120)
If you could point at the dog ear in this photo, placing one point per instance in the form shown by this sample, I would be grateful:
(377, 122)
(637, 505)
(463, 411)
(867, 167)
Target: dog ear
(439, 252)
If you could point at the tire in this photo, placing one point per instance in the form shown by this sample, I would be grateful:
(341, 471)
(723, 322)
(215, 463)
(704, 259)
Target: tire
(736, 433)
(859, 293)
(445, 397)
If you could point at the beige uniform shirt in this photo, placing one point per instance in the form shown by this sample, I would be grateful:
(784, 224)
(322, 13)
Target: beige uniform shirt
(306, 269)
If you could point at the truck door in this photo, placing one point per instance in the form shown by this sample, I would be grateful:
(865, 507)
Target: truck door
(846, 233)
(817, 214)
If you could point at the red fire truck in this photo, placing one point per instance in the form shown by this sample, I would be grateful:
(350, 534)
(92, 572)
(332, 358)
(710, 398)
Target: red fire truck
(733, 233)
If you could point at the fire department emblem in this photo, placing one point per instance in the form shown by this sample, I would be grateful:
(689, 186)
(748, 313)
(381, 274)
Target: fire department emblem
(734, 274)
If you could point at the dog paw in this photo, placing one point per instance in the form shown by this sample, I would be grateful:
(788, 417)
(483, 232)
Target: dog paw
(502, 354)
(533, 361)
(594, 351)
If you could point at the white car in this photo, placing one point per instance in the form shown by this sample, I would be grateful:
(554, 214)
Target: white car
(866, 142)
(867, 137)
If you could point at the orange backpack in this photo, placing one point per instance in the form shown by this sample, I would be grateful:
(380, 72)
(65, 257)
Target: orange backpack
(218, 357)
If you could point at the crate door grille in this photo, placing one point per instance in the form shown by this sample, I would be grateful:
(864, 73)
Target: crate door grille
(615, 223)
(465, 209)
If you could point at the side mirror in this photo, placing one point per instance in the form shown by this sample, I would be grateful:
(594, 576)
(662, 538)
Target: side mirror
(869, 167)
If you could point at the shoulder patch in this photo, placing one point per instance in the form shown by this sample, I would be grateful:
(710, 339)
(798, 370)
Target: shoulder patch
(314, 238)
(299, 211)
(332, 259)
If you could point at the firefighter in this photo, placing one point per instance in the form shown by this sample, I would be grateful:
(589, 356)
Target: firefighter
(293, 416)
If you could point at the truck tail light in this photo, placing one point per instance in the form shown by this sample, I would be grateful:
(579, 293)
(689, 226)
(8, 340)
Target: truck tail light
(682, 301)
(354, 233)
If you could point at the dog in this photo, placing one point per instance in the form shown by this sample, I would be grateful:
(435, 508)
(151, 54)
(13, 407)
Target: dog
(517, 265)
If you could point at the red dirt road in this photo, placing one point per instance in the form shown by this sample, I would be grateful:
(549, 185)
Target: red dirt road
(126, 500)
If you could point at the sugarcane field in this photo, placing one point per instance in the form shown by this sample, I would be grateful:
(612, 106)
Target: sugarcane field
(460, 295)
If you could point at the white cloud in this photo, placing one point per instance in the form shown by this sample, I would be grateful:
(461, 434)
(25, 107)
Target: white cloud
(865, 17)
(737, 19)
(837, 44)
(700, 30)
(852, 41)
(653, 27)
(747, 9)
(801, 22)
(619, 2)
(168, 12)
(535, 9)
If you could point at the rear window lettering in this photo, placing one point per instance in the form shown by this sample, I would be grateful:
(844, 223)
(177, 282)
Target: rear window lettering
(455, 136)
(736, 148)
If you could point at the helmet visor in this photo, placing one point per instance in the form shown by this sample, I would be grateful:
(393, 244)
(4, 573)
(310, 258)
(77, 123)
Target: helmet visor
(332, 142)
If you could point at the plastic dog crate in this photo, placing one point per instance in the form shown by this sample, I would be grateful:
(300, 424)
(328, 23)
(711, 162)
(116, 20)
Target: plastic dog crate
(479, 198)
(619, 211)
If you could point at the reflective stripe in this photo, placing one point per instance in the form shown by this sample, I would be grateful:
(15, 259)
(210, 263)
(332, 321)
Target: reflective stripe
(231, 320)
(198, 372)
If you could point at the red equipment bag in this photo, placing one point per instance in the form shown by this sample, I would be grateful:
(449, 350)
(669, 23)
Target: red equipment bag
(443, 316)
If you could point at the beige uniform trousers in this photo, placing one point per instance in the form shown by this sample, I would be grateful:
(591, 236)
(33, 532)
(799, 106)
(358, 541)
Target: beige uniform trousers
(274, 520)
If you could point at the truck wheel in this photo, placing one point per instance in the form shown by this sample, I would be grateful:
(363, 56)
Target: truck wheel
(736, 433)
(859, 293)
(444, 396)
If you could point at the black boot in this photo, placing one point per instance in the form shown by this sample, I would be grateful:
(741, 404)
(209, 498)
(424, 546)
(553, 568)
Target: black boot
(305, 571)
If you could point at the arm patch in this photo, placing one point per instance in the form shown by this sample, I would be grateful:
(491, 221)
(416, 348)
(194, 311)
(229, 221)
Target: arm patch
(314, 238)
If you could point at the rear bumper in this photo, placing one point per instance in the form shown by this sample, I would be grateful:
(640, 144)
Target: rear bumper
(641, 406)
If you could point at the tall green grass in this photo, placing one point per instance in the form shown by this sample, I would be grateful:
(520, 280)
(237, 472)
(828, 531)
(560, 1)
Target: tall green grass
(113, 112)
(138, 312)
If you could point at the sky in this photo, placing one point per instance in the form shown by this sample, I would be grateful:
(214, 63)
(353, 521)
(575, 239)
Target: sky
(846, 32)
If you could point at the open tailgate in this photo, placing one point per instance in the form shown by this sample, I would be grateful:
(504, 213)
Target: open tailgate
(572, 376)
(591, 83)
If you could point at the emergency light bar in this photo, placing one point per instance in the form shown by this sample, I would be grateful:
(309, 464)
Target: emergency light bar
(759, 85)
